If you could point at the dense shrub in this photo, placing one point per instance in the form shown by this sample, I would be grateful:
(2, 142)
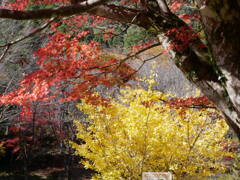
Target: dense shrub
(138, 132)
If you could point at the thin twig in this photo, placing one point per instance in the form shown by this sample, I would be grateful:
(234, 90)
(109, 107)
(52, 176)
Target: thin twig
(143, 62)
(4, 53)
(193, 106)
(119, 63)
(30, 34)
(9, 44)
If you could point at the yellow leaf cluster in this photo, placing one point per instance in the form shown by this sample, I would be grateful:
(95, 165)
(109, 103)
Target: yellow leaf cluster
(139, 133)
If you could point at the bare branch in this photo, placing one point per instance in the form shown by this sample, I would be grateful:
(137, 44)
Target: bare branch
(122, 14)
(8, 45)
(4, 53)
(119, 63)
(140, 67)
(51, 12)
(113, 12)
(30, 34)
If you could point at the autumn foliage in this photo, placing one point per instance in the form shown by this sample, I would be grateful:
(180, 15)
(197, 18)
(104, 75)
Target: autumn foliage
(68, 67)
(141, 130)
(138, 133)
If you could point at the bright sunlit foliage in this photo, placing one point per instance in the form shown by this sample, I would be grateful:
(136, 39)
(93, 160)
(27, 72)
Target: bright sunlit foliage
(140, 133)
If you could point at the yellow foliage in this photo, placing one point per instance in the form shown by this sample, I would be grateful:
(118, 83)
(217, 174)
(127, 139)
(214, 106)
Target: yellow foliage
(139, 133)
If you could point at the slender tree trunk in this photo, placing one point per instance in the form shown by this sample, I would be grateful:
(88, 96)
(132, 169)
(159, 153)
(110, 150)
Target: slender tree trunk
(25, 166)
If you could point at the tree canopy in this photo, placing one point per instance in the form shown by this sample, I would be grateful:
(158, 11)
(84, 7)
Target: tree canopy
(201, 36)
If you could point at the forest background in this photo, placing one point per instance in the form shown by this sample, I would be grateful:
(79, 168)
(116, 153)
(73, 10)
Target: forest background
(79, 55)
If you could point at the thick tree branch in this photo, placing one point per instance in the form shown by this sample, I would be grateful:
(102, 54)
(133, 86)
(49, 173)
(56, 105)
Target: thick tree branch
(199, 67)
(122, 14)
(113, 12)
(51, 12)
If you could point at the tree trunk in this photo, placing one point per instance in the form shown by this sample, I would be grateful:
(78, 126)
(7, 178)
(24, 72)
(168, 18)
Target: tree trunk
(221, 21)
(218, 74)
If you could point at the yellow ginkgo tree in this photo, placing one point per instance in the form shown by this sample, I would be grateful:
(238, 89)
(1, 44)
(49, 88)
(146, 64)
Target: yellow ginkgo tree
(138, 132)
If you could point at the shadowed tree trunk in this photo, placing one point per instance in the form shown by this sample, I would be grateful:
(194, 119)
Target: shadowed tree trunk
(221, 21)
(215, 69)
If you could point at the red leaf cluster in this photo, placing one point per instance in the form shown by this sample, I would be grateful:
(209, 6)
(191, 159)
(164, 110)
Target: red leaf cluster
(202, 101)
(69, 67)
(182, 37)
